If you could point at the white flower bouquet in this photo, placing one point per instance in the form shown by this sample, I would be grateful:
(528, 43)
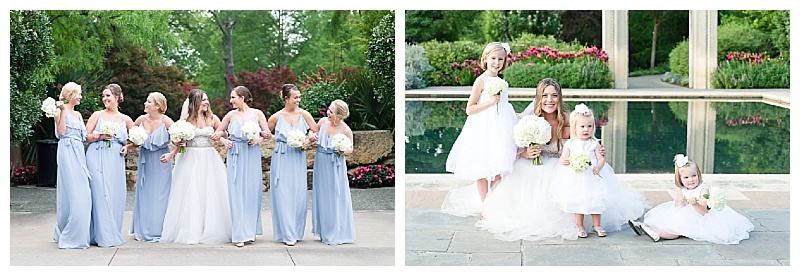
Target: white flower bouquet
(110, 128)
(137, 135)
(49, 108)
(530, 131)
(579, 161)
(251, 130)
(341, 143)
(495, 87)
(181, 131)
(715, 199)
(295, 138)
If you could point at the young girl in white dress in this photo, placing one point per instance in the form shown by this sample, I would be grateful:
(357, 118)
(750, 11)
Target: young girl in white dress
(689, 215)
(485, 149)
(595, 190)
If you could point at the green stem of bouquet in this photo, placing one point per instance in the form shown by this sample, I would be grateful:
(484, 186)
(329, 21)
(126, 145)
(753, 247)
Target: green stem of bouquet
(537, 161)
(109, 143)
(182, 149)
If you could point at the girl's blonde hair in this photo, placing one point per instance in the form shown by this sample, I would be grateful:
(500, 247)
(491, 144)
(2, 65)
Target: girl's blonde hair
(342, 111)
(544, 83)
(689, 164)
(491, 47)
(68, 91)
(580, 113)
(160, 101)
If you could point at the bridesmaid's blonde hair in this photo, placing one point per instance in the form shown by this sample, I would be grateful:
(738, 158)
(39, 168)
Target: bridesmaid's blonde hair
(69, 90)
(160, 101)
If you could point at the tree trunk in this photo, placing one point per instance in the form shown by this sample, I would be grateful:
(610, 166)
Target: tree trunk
(654, 42)
(226, 27)
(279, 60)
(504, 35)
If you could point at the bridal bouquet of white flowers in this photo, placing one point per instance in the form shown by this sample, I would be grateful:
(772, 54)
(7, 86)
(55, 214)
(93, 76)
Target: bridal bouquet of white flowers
(495, 87)
(251, 130)
(530, 131)
(110, 128)
(341, 143)
(181, 131)
(715, 199)
(49, 108)
(295, 138)
(137, 135)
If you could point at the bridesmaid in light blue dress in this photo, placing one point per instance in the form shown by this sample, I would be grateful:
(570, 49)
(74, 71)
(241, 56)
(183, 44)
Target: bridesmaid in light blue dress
(243, 160)
(288, 178)
(331, 205)
(73, 200)
(107, 170)
(155, 172)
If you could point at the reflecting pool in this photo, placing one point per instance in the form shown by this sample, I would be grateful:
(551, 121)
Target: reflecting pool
(750, 138)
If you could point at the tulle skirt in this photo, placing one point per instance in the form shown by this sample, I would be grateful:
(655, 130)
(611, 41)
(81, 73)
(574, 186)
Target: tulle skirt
(485, 147)
(722, 227)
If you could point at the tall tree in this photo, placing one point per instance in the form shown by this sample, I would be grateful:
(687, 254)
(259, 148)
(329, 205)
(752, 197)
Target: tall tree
(31, 53)
(225, 21)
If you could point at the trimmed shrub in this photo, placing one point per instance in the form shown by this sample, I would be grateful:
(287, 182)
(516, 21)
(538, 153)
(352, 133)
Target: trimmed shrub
(443, 55)
(416, 65)
(318, 97)
(679, 59)
(739, 36)
(371, 176)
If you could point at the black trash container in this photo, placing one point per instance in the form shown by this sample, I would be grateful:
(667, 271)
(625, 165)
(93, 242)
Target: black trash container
(47, 167)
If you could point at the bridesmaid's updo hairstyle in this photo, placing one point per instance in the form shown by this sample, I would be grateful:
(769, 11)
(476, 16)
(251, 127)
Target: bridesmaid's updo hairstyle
(287, 89)
(160, 101)
(116, 91)
(342, 111)
(244, 93)
(68, 91)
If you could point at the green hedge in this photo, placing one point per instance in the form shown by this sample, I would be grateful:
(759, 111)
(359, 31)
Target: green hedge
(751, 73)
(441, 57)
(583, 73)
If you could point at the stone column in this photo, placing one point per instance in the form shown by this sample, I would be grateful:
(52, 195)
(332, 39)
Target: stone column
(700, 135)
(615, 136)
(615, 44)
(702, 47)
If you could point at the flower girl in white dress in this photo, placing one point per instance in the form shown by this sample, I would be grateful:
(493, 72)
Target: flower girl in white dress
(691, 215)
(484, 150)
(586, 185)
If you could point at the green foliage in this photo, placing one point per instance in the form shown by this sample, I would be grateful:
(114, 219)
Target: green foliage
(527, 40)
(583, 26)
(738, 36)
(380, 59)
(442, 56)
(371, 176)
(583, 73)
(367, 112)
(318, 97)
(31, 53)
(775, 23)
(416, 65)
(442, 25)
(23, 175)
(738, 74)
(679, 59)
(673, 28)
(507, 25)
(660, 69)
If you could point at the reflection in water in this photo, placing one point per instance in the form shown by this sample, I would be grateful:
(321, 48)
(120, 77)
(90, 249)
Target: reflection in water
(750, 137)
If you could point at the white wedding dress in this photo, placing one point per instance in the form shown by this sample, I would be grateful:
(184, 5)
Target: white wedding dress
(198, 209)
(520, 207)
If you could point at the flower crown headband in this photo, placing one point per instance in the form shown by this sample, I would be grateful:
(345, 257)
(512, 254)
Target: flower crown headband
(681, 160)
(583, 109)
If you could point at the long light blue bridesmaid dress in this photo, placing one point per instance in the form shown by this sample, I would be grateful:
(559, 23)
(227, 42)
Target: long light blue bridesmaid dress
(288, 185)
(244, 185)
(331, 205)
(152, 187)
(74, 199)
(107, 170)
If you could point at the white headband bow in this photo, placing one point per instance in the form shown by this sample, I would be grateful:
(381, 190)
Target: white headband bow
(506, 47)
(681, 160)
(583, 109)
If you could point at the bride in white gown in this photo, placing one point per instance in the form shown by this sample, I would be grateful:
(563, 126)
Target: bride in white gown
(198, 209)
(520, 206)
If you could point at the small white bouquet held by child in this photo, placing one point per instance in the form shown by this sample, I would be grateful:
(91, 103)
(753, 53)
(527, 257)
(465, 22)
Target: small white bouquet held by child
(251, 130)
(341, 143)
(495, 87)
(715, 199)
(579, 161)
(49, 108)
(531, 131)
(137, 135)
(295, 138)
(110, 128)
(181, 131)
